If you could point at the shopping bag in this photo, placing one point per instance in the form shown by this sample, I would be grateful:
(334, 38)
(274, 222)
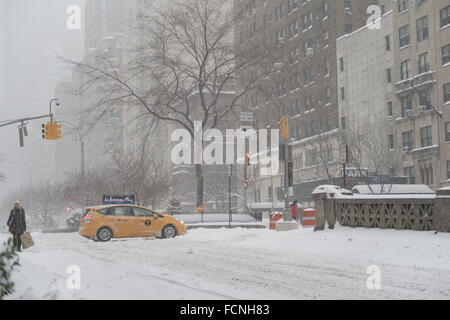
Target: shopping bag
(27, 240)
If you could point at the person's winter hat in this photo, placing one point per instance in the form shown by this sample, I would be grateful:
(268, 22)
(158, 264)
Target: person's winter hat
(17, 203)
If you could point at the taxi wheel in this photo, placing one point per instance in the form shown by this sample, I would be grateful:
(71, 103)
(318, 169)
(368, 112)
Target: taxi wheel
(169, 231)
(104, 234)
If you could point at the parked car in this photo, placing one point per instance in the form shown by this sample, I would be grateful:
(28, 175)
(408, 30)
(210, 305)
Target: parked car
(128, 221)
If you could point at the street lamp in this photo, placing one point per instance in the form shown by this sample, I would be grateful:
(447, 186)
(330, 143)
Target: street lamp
(56, 100)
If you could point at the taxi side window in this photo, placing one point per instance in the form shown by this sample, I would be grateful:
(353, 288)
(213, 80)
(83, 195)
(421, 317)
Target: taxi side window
(122, 212)
(139, 212)
(105, 212)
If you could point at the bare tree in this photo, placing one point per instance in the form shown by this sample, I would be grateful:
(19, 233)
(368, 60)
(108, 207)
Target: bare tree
(187, 49)
(144, 176)
(369, 152)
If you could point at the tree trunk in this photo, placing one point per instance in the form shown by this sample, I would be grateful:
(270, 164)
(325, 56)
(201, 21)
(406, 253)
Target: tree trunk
(200, 184)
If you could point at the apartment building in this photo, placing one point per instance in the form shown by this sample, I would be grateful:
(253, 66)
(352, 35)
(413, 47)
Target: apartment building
(422, 90)
(365, 60)
(104, 28)
(300, 78)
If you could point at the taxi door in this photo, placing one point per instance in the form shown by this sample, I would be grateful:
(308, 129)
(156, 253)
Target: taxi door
(146, 223)
(122, 222)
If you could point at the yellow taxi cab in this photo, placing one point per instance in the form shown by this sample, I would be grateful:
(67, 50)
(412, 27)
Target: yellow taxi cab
(128, 221)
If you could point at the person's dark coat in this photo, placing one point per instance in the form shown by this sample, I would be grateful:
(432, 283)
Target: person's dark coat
(16, 221)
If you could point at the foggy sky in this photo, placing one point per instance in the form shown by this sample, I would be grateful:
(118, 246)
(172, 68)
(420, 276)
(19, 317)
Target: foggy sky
(31, 33)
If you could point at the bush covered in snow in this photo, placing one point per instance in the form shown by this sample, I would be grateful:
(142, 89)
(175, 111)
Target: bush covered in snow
(8, 260)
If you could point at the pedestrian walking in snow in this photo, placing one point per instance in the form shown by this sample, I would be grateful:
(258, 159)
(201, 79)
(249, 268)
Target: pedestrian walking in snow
(294, 210)
(17, 224)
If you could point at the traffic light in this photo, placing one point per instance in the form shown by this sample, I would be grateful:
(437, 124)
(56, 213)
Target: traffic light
(247, 159)
(52, 131)
(45, 131)
(284, 128)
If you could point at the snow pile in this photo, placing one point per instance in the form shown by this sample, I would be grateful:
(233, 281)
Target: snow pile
(332, 191)
(240, 264)
(393, 189)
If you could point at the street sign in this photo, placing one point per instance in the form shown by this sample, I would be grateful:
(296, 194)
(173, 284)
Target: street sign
(355, 173)
(108, 200)
(291, 191)
(247, 117)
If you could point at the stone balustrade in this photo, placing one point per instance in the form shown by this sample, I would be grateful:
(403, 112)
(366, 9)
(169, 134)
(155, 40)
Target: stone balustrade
(401, 212)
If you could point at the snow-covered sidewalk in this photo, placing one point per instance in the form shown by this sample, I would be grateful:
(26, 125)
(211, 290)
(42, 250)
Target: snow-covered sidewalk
(240, 264)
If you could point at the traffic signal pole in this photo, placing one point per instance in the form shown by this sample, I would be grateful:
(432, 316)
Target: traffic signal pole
(25, 120)
(284, 131)
(287, 213)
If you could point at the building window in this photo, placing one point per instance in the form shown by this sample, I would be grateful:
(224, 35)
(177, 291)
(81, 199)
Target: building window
(343, 123)
(292, 5)
(341, 60)
(446, 54)
(293, 29)
(293, 56)
(326, 67)
(325, 36)
(404, 36)
(348, 28)
(424, 63)
(308, 103)
(408, 142)
(445, 16)
(448, 169)
(279, 12)
(426, 136)
(308, 48)
(347, 6)
(307, 20)
(425, 98)
(402, 5)
(391, 142)
(405, 70)
(342, 93)
(326, 99)
(447, 93)
(406, 105)
(388, 43)
(295, 82)
(422, 29)
(308, 76)
(280, 36)
(390, 109)
(447, 132)
(388, 75)
(410, 173)
(324, 9)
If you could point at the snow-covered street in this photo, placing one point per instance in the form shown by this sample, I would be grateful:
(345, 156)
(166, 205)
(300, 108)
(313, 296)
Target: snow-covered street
(240, 264)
